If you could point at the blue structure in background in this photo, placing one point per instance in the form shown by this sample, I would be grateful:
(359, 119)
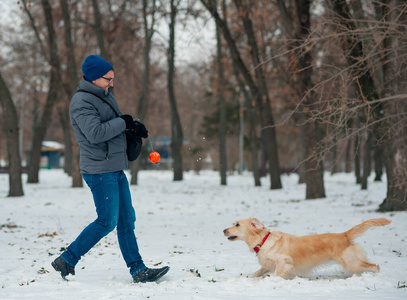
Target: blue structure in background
(51, 155)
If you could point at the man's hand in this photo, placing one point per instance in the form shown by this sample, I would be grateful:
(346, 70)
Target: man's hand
(140, 129)
(129, 121)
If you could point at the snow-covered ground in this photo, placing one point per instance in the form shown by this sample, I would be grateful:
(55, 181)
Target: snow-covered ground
(180, 224)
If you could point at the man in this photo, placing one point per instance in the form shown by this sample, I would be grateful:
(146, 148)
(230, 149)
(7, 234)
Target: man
(102, 142)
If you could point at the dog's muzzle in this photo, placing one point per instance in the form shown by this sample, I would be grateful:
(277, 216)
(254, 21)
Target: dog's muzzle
(230, 238)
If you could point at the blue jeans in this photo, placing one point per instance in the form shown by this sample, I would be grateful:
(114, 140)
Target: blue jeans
(111, 194)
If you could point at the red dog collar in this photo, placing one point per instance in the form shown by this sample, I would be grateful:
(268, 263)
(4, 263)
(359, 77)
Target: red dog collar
(257, 248)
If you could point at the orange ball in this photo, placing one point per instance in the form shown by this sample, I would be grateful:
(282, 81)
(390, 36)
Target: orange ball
(154, 157)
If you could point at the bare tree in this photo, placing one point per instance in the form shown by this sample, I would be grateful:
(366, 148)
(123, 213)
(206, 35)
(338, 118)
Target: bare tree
(10, 124)
(386, 113)
(393, 131)
(145, 90)
(99, 30)
(377, 104)
(314, 167)
(63, 90)
(176, 128)
(266, 119)
(70, 141)
(367, 160)
(222, 107)
(268, 132)
(40, 130)
(310, 133)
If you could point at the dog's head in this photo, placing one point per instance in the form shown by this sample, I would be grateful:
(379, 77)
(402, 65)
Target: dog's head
(244, 230)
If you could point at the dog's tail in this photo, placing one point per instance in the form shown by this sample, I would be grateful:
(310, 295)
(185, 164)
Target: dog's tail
(360, 229)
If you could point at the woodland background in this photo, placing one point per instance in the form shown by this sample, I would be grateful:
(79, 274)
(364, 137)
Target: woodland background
(298, 85)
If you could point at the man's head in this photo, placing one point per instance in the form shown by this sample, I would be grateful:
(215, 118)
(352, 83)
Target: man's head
(98, 71)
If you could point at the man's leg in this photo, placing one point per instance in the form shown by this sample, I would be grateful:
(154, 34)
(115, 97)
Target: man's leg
(105, 192)
(125, 229)
(127, 239)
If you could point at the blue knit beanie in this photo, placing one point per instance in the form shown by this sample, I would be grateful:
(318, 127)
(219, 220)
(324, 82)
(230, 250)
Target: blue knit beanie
(95, 67)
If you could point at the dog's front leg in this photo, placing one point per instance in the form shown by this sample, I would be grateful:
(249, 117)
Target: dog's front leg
(284, 267)
(260, 272)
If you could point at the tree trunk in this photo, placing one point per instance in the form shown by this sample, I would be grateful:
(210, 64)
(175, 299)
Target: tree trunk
(314, 176)
(99, 30)
(269, 131)
(41, 129)
(63, 107)
(63, 116)
(10, 124)
(251, 112)
(314, 172)
(357, 157)
(348, 160)
(145, 90)
(71, 145)
(369, 43)
(253, 146)
(395, 149)
(176, 129)
(299, 117)
(302, 168)
(312, 164)
(378, 161)
(334, 169)
(367, 161)
(221, 85)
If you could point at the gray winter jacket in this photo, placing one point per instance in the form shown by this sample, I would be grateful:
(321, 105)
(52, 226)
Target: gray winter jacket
(100, 134)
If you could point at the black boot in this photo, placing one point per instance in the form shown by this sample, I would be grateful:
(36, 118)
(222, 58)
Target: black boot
(150, 275)
(61, 266)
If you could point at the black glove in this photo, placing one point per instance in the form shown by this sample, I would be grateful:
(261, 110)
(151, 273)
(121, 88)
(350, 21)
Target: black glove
(140, 129)
(129, 121)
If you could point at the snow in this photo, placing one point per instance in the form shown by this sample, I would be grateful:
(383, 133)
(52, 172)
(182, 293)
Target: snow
(52, 144)
(180, 224)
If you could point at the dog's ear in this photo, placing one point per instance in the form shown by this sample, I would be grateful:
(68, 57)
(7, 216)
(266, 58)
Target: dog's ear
(256, 224)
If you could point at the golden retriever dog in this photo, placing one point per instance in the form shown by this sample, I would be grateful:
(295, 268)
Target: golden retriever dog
(288, 255)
